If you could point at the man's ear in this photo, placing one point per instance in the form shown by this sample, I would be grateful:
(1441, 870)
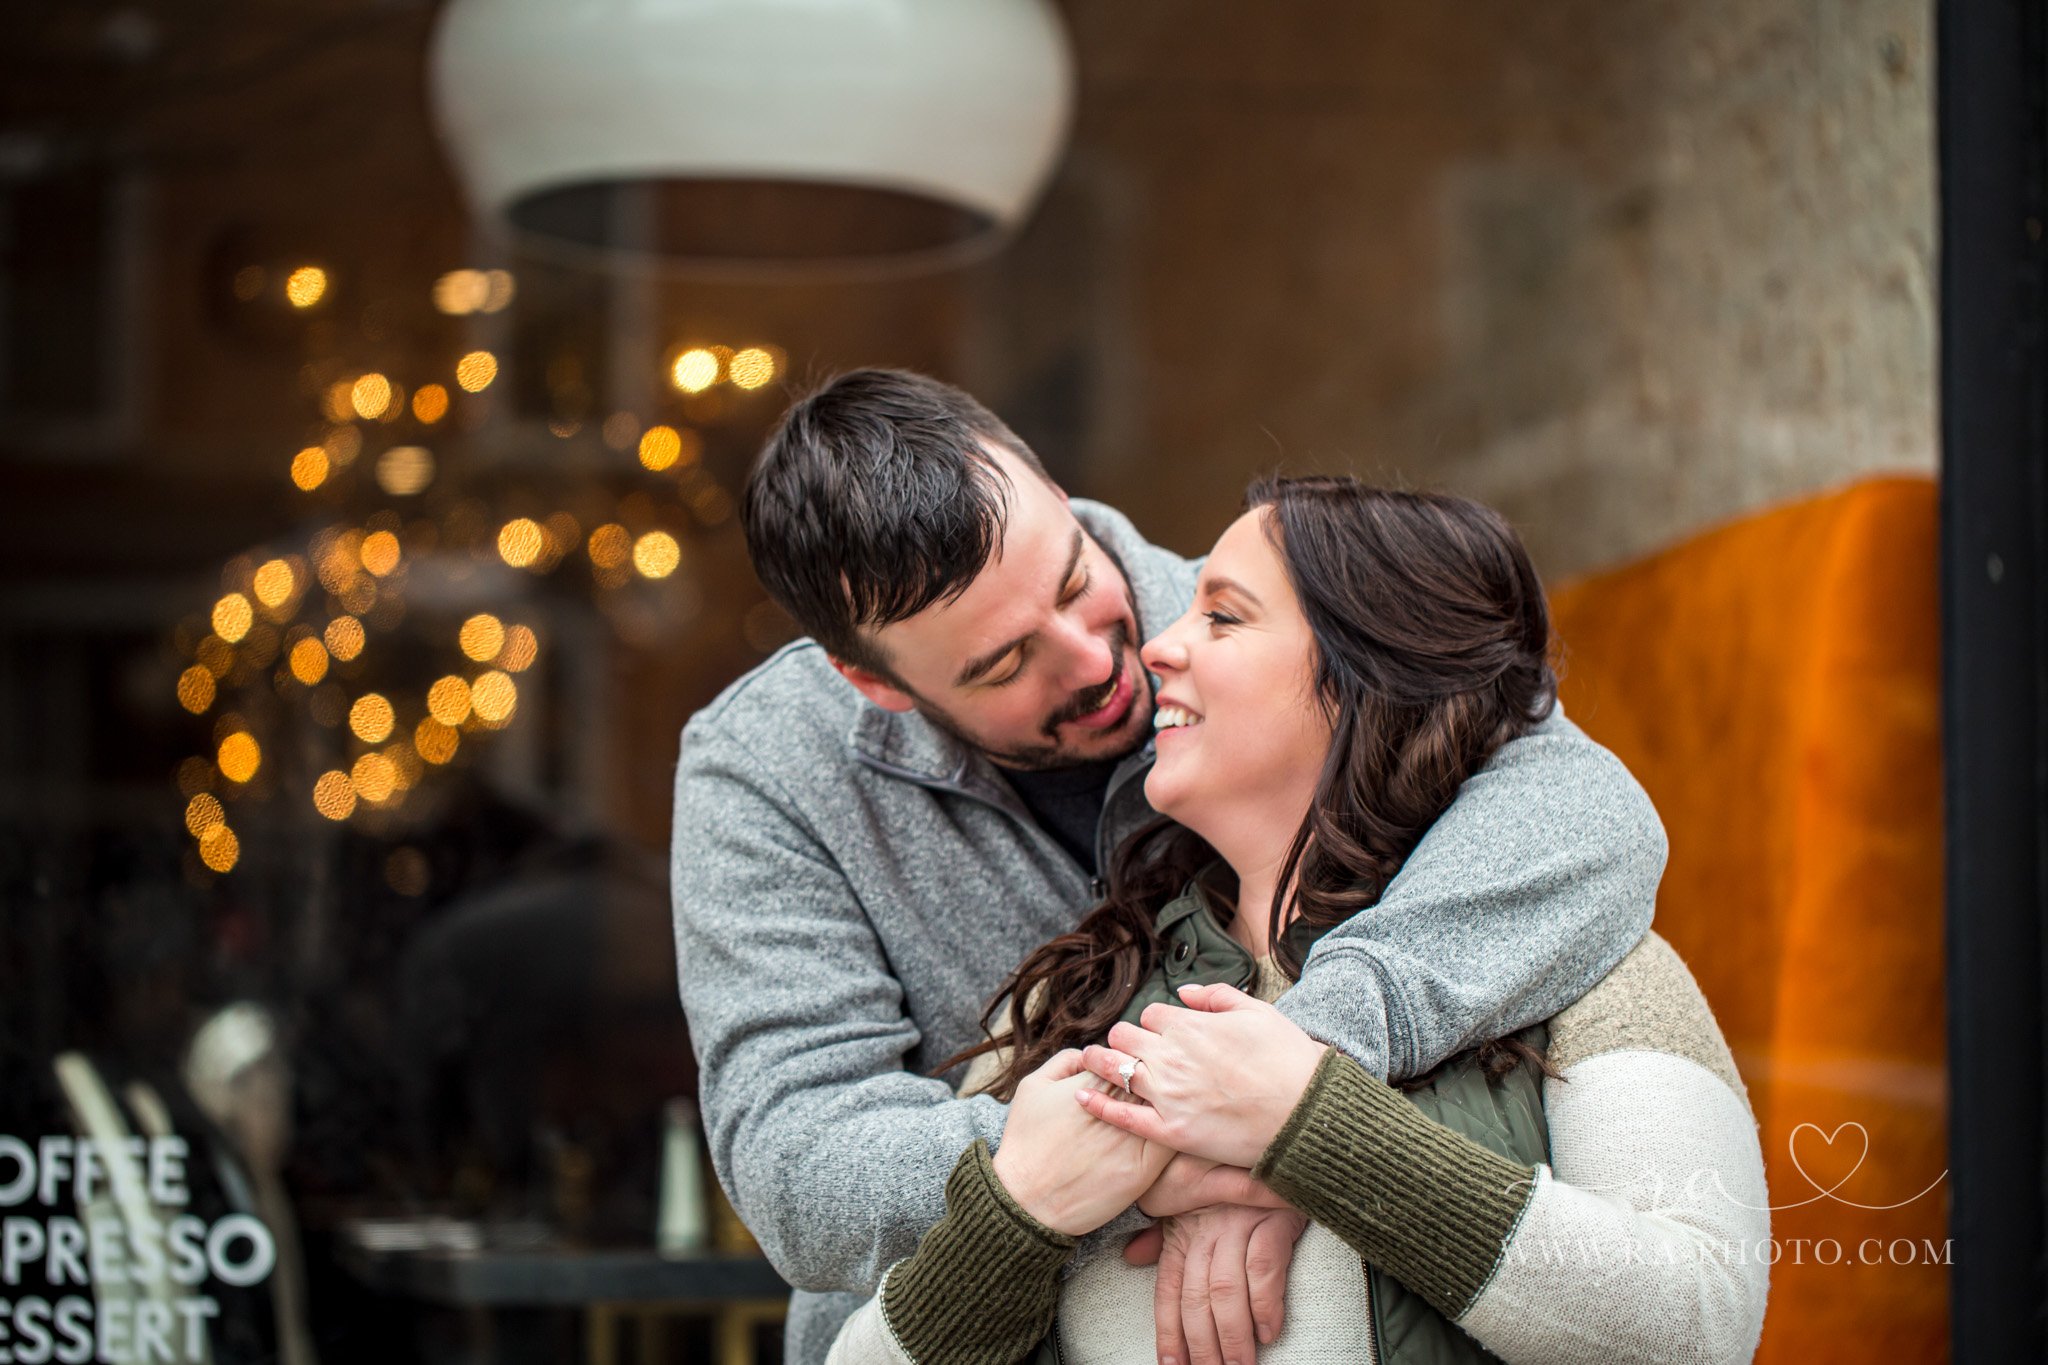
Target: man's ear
(874, 686)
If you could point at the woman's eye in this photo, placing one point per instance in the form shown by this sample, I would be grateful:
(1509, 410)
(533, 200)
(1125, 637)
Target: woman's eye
(1221, 618)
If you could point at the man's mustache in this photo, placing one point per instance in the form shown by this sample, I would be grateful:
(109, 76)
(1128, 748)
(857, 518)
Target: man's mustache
(1093, 700)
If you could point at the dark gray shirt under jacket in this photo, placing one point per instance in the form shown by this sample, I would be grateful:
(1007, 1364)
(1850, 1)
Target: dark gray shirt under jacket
(851, 885)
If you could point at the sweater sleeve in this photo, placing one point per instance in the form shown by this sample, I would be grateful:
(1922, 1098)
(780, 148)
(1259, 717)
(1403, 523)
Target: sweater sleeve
(1645, 1241)
(980, 1289)
(833, 1153)
(1540, 876)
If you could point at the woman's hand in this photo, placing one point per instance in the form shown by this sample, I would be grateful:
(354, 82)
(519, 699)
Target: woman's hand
(1063, 1167)
(1218, 1079)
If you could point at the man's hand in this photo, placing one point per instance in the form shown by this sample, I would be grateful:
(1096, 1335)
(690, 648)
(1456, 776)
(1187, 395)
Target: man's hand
(1189, 1183)
(1222, 1286)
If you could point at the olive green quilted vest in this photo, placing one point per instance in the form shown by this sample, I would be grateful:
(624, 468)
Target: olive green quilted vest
(1504, 1114)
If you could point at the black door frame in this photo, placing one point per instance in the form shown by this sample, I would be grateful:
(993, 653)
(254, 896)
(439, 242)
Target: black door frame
(1992, 121)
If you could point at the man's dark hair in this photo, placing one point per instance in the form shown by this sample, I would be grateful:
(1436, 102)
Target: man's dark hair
(874, 498)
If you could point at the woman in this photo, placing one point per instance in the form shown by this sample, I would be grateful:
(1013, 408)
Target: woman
(1589, 1191)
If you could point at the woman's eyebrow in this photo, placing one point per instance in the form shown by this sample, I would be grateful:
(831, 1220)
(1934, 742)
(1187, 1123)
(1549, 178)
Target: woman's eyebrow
(1212, 586)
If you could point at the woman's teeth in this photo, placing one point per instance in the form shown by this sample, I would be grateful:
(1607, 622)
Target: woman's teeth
(1173, 717)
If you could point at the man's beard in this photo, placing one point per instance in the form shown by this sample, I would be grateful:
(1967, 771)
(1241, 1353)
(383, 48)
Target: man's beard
(1050, 754)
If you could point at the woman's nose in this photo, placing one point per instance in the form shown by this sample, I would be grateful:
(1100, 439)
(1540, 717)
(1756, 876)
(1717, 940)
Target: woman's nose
(1164, 651)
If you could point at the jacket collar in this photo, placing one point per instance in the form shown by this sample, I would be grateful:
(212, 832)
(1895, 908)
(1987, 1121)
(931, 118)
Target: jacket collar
(904, 744)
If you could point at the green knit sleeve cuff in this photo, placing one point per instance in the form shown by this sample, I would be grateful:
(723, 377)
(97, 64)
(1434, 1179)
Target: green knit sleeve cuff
(1428, 1206)
(982, 1286)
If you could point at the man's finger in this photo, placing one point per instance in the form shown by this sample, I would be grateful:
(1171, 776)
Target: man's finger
(1171, 1345)
(1197, 1324)
(1139, 1120)
(1230, 1298)
(1269, 1255)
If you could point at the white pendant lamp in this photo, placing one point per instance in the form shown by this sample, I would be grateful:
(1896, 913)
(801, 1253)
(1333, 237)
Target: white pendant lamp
(796, 133)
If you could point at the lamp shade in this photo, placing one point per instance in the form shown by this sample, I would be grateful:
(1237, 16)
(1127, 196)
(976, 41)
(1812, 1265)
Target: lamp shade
(755, 130)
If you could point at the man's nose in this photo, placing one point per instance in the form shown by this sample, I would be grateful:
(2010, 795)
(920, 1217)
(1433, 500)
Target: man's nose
(1089, 659)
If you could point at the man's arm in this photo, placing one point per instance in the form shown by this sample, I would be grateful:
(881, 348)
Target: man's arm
(832, 1152)
(1538, 879)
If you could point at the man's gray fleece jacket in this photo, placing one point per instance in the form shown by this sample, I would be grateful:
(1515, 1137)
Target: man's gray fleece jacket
(851, 886)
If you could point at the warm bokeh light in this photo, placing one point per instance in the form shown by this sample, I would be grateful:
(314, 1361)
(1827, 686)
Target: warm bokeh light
(232, 617)
(499, 290)
(344, 636)
(374, 778)
(338, 403)
(370, 395)
(239, 756)
(481, 637)
(493, 696)
(521, 649)
(621, 430)
(405, 765)
(275, 583)
(195, 775)
(610, 545)
(306, 286)
(656, 554)
(695, 370)
(202, 813)
(215, 656)
(334, 795)
(309, 468)
(195, 688)
(659, 447)
(521, 541)
(342, 445)
(371, 718)
(434, 741)
(405, 470)
(461, 292)
(448, 700)
(430, 403)
(752, 368)
(219, 849)
(475, 371)
(308, 661)
(380, 552)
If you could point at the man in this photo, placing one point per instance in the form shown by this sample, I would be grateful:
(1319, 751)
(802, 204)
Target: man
(874, 826)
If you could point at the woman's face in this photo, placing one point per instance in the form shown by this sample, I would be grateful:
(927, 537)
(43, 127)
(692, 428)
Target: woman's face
(1241, 736)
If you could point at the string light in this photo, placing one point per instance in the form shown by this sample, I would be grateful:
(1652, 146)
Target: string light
(195, 689)
(305, 286)
(334, 795)
(656, 554)
(232, 617)
(239, 756)
(309, 468)
(481, 637)
(475, 371)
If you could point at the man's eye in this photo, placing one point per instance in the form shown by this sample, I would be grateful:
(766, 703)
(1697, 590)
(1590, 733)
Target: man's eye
(1079, 590)
(1015, 672)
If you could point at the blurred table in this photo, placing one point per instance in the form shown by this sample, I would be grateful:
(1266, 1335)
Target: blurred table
(468, 1265)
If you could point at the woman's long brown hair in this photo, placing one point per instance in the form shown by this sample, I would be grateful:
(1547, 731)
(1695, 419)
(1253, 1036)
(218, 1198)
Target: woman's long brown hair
(1432, 649)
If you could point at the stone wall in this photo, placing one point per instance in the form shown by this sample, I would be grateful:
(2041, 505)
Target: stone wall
(1624, 271)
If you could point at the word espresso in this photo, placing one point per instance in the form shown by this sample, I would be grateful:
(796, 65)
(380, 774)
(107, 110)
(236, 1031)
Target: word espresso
(138, 1262)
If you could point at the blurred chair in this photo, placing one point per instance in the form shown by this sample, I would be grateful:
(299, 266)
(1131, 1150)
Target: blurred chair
(1775, 685)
